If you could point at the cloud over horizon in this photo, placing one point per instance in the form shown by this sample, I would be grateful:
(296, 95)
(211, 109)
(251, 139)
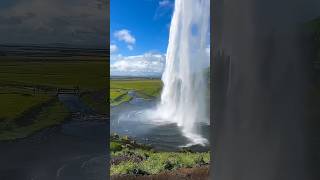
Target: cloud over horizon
(148, 64)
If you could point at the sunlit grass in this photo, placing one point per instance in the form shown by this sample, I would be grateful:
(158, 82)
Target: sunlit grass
(144, 88)
(156, 162)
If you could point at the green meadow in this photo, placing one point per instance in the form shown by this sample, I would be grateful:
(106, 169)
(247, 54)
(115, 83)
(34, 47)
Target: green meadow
(51, 74)
(28, 91)
(145, 88)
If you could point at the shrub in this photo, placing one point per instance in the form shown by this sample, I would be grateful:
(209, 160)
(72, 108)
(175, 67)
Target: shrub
(114, 146)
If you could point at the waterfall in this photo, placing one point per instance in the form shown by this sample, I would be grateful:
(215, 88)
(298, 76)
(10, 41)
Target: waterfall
(184, 96)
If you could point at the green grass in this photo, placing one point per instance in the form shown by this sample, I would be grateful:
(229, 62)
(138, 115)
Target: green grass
(96, 101)
(115, 146)
(27, 86)
(48, 116)
(12, 105)
(119, 96)
(90, 75)
(144, 88)
(157, 162)
(152, 162)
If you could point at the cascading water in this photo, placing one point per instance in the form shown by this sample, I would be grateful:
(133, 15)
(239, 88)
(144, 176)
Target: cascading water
(185, 91)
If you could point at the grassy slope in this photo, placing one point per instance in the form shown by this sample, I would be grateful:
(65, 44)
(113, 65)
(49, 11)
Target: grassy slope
(140, 160)
(48, 116)
(18, 78)
(144, 88)
(12, 105)
(96, 101)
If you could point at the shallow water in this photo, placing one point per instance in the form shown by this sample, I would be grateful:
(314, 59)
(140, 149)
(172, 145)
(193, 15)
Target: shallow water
(130, 119)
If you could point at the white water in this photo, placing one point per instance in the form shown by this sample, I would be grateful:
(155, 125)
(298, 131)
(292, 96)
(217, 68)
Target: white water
(184, 95)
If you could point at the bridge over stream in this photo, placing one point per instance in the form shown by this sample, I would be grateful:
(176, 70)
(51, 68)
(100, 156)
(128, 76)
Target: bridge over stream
(74, 91)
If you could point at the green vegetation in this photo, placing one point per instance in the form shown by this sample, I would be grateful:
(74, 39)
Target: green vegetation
(131, 158)
(315, 28)
(88, 75)
(115, 146)
(144, 88)
(119, 96)
(96, 100)
(28, 91)
(29, 122)
(12, 105)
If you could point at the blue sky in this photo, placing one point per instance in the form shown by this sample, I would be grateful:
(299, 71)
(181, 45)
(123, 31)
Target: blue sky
(139, 32)
(147, 20)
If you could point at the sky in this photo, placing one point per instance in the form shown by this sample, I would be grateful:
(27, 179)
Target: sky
(139, 33)
(44, 22)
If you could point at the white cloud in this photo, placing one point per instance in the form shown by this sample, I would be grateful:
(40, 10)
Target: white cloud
(113, 48)
(149, 64)
(130, 47)
(165, 7)
(126, 36)
(164, 3)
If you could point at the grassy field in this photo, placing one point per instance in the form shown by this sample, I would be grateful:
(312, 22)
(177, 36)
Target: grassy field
(96, 100)
(88, 75)
(131, 158)
(28, 91)
(26, 124)
(10, 109)
(146, 88)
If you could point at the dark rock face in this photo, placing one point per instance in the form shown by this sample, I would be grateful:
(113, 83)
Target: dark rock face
(262, 75)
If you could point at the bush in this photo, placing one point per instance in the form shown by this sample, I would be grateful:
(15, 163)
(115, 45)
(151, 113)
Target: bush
(114, 146)
(168, 165)
(137, 171)
(156, 162)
